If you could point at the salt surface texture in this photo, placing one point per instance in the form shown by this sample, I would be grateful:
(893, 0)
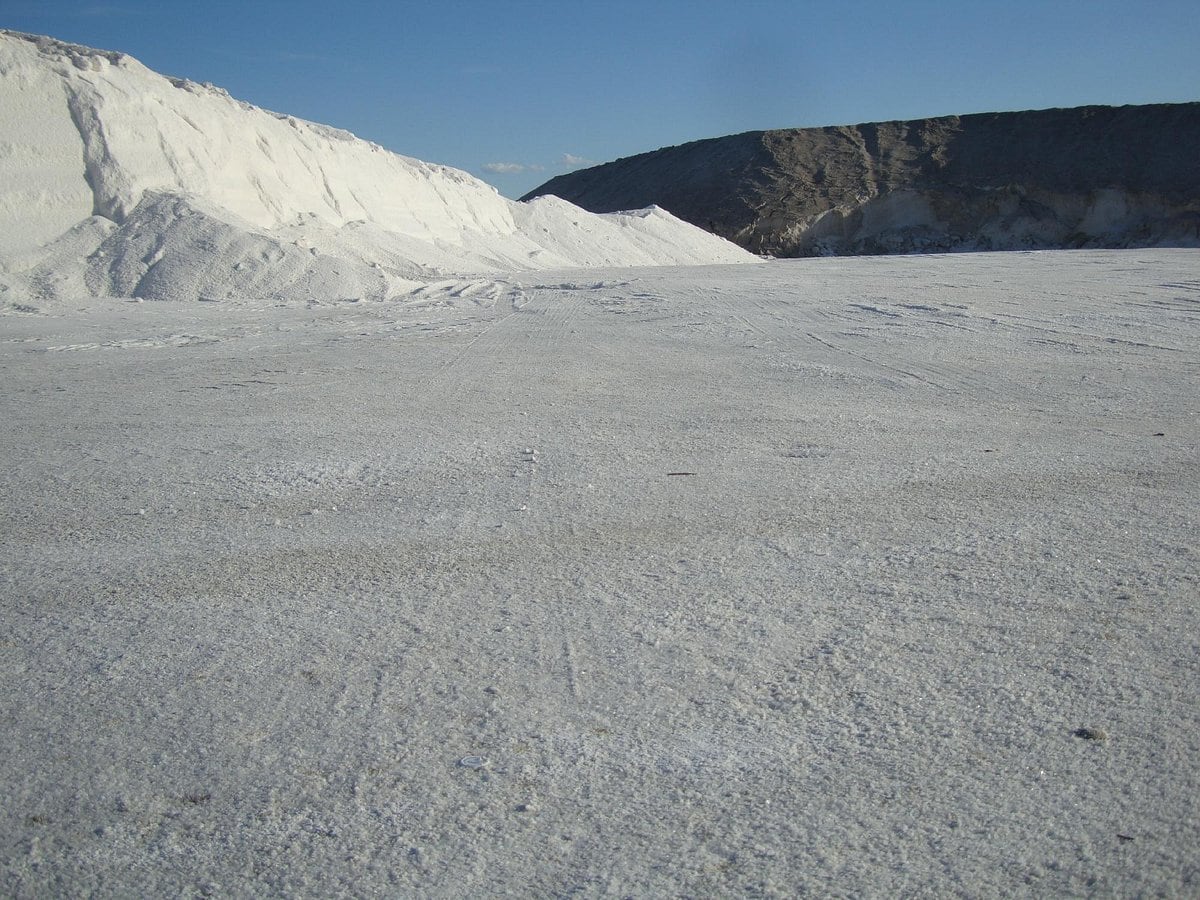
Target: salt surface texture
(413, 599)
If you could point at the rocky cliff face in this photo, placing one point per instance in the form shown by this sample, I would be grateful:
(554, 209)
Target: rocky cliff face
(1094, 176)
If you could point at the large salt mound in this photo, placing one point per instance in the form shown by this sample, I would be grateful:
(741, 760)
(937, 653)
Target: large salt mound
(118, 181)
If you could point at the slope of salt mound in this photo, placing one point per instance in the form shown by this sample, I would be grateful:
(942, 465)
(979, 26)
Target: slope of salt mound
(43, 191)
(210, 196)
(141, 131)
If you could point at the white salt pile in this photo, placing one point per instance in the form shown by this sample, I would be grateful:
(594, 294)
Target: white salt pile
(121, 182)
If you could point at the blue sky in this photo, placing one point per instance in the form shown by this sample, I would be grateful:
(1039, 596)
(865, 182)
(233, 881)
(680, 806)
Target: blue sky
(516, 92)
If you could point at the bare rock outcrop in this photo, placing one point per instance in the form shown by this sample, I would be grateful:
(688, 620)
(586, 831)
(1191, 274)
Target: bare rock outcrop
(1093, 176)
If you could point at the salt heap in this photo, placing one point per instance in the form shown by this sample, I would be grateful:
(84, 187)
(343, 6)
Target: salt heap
(118, 181)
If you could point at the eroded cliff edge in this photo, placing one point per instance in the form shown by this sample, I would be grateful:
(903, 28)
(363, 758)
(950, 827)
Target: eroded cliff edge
(1093, 176)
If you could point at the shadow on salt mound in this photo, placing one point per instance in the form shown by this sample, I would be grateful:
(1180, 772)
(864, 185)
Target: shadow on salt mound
(645, 212)
(53, 273)
(167, 249)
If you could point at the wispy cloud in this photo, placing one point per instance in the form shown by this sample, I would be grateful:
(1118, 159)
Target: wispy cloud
(567, 160)
(509, 168)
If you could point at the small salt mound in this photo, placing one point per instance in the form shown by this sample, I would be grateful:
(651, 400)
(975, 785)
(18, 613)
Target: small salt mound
(648, 237)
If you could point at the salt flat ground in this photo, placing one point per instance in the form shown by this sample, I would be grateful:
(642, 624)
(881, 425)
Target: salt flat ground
(867, 576)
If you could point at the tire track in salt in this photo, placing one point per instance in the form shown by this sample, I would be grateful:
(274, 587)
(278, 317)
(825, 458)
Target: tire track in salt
(567, 753)
(501, 300)
(879, 364)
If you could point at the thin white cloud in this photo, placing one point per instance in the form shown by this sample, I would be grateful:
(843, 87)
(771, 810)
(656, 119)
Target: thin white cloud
(507, 168)
(575, 162)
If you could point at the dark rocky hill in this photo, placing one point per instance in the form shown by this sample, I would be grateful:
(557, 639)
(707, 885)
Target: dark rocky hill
(1093, 176)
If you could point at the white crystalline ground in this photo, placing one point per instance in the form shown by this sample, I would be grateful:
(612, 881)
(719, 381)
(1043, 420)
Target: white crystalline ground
(117, 181)
(399, 567)
(799, 578)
